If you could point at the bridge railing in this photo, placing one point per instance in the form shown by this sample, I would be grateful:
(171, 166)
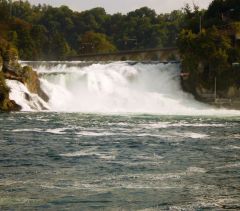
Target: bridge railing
(125, 52)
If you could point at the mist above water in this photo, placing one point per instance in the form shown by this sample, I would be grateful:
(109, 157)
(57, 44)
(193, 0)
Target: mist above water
(118, 87)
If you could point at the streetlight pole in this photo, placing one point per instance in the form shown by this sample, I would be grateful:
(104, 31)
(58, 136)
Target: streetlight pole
(200, 23)
(10, 3)
(215, 89)
(10, 7)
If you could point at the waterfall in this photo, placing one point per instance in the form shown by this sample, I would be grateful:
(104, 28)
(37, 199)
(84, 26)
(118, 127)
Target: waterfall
(118, 87)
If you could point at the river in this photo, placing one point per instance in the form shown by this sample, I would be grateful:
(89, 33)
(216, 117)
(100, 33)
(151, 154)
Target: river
(126, 139)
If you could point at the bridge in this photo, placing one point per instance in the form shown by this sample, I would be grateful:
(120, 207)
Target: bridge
(154, 54)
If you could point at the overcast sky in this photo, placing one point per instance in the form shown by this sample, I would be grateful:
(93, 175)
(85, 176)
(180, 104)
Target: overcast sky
(124, 6)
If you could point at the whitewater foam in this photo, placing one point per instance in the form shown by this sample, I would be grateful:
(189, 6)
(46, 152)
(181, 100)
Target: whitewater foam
(89, 133)
(28, 101)
(118, 87)
(192, 135)
(92, 152)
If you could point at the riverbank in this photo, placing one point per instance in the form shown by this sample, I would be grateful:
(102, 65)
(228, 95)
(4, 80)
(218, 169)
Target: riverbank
(229, 97)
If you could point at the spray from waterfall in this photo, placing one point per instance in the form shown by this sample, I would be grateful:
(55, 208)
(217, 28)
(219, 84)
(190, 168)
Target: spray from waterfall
(119, 87)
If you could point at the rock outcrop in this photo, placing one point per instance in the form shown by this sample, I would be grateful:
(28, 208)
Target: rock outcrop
(5, 103)
(11, 69)
(1, 63)
(31, 80)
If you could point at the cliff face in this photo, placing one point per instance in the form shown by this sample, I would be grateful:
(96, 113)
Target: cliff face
(11, 69)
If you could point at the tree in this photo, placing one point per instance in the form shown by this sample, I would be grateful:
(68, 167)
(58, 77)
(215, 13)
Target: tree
(219, 10)
(92, 42)
(4, 10)
(34, 29)
(59, 48)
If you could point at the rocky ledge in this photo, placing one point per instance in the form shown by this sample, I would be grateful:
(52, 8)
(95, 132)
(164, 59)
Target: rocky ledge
(11, 69)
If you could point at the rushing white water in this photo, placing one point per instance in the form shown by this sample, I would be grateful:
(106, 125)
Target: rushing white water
(118, 87)
(28, 101)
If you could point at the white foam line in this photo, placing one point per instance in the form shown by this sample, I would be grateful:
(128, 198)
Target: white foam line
(232, 165)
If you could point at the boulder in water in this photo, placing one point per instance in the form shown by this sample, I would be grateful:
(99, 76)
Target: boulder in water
(30, 78)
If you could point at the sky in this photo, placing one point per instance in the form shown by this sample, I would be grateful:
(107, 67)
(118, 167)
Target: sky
(124, 6)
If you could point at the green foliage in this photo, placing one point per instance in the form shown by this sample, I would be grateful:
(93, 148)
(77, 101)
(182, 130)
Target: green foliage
(4, 46)
(13, 38)
(4, 10)
(7, 51)
(209, 48)
(92, 42)
(223, 10)
(10, 54)
(210, 51)
(45, 32)
(59, 47)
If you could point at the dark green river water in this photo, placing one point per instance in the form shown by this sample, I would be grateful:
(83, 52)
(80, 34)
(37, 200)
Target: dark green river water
(74, 161)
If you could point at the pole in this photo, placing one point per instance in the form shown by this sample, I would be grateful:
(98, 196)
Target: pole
(200, 23)
(10, 3)
(215, 88)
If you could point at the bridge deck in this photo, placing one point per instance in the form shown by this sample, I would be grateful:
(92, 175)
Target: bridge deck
(157, 53)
